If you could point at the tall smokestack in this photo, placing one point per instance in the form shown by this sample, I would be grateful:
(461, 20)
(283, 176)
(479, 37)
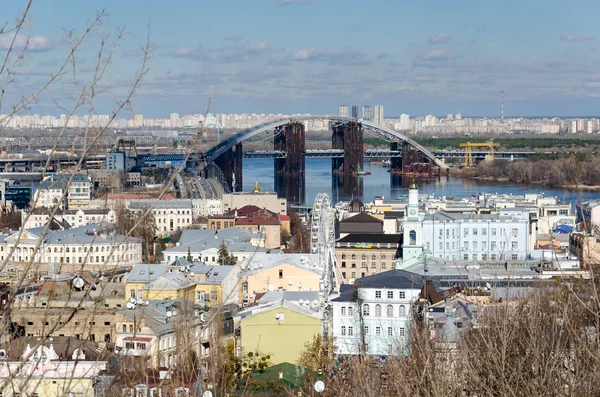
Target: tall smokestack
(502, 105)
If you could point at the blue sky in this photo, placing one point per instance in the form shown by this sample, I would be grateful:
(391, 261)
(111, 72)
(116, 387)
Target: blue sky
(293, 56)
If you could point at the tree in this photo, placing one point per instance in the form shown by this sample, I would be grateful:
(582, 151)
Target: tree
(318, 353)
(189, 256)
(225, 258)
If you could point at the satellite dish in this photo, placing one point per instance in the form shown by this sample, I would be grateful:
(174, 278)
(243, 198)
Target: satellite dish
(316, 302)
(289, 282)
(78, 283)
(271, 287)
(147, 303)
(276, 316)
(319, 386)
(301, 301)
(192, 274)
(488, 285)
(130, 305)
(133, 301)
(169, 314)
(174, 312)
(2, 354)
(207, 393)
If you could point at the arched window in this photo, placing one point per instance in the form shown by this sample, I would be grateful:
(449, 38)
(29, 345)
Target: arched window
(382, 256)
(373, 257)
(402, 311)
(68, 250)
(343, 256)
(364, 257)
(366, 310)
(378, 310)
(412, 236)
(390, 311)
(79, 249)
(353, 256)
(55, 249)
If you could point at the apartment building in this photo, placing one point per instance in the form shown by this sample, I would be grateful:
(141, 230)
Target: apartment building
(169, 215)
(66, 219)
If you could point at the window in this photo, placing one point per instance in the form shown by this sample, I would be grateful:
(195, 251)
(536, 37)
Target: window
(377, 294)
(402, 311)
(474, 231)
(466, 257)
(350, 330)
(373, 257)
(390, 294)
(373, 265)
(353, 274)
(378, 310)
(343, 330)
(484, 232)
(441, 245)
(466, 232)
(363, 257)
(515, 245)
(514, 257)
(390, 311)
(129, 345)
(401, 331)
(493, 257)
(350, 311)
(378, 331)
(363, 265)
(343, 310)
(474, 245)
(401, 295)
(366, 310)
(484, 245)
(447, 233)
(515, 232)
(383, 265)
(213, 296)
(390, 349)
(493, 231)
(441, 233)
(389, 331)
(343, 256)
(140, 346)
(353, 256)
(366, 330)
(412, 237)
(343, 274)
(280, 273)
(493, 245)
(466, 245)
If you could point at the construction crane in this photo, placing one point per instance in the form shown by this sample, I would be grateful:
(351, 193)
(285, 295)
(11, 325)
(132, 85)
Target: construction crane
(490, 145)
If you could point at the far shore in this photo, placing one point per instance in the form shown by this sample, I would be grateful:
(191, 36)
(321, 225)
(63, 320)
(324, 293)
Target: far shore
(571, 187)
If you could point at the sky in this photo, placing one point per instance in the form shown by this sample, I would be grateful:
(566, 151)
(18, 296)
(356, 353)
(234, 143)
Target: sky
(310, 56)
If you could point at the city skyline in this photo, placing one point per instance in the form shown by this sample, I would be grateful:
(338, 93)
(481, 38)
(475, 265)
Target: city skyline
(451, 61)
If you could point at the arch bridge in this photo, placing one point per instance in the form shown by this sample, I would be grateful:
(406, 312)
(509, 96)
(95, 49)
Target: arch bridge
(347, 135)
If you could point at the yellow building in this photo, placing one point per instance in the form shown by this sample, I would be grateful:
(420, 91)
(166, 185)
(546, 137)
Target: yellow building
(279, 329)
(170, 286)
(286, 272)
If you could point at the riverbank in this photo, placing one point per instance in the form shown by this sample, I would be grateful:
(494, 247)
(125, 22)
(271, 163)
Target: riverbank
(568, 187)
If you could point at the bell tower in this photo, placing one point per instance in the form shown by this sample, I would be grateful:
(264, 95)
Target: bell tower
(412, 239)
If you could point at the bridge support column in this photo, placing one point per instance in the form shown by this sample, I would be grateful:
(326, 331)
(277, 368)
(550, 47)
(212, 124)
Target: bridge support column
(415, 163)
(289, 171)
(395, 162)
(349, 137)
(230, 163)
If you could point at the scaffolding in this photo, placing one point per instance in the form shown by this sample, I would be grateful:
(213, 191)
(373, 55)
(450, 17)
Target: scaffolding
(490, 145)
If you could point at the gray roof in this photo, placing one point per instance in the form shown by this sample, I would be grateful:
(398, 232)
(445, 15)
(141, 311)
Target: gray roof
(261, 261)
(309, 311)
(58, 181)
(441, 216)
(160, 204)
(146, 272)
(154, 315)
(236, 240)
(291, 296)
(80, 235)
(170, 281)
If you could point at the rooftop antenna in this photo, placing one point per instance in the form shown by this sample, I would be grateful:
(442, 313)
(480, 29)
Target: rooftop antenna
(502, 105)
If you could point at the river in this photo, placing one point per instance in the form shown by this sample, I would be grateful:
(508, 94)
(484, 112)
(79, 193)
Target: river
(379, 183)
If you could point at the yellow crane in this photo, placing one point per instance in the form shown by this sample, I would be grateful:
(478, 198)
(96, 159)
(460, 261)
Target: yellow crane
(490, 145)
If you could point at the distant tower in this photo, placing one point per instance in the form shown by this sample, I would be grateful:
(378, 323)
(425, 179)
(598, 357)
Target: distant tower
(502, 105)
(343, 111)
(367, 112)
(354, 111)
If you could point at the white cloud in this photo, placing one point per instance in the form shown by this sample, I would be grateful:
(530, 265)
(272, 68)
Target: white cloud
(440, 39)
(572, 37)
(33, 43)
(345, 56)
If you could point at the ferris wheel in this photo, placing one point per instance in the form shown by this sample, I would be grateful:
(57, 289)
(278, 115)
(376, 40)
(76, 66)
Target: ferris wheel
(322, 235)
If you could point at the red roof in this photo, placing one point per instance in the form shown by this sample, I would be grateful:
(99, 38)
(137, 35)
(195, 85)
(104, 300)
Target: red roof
(284, 217)
(244, 211)
(137, 339)
(257, 220)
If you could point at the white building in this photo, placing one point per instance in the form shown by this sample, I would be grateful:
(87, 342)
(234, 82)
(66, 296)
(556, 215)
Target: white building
(379, 114)
(457, 236)
(67, 218)
(373, 315)
(258, 198)
(169, 215)
(207, 207)
(343, 111)
(78, 191)
(77, 246)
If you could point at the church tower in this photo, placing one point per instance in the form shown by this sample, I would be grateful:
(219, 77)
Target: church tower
(412, 241)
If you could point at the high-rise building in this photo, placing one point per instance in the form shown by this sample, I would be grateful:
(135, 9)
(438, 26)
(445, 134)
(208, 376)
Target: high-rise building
(367, 112)
(574, 126)
(354, 111)
(404, 122)
(379, 114)
(343, 111)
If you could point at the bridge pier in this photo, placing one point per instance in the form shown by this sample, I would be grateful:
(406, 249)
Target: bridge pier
(289, 171)
(230, 163)
(412, 162)
(348, 137)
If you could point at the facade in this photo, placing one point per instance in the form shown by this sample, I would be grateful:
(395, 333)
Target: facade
(589, 212)
(586, 248)
(360, 223)
(169, 215)
(206, 207)
(354, 111)
(280, 329)
(280, 272)
(343, 111)
(458, 236)
(367, 112)
(57, 367)
(379, 114)
(361, 255)
(260, 199)
(77, 247)
(373, 315)
(114, 178)
(77, 192)
(39, 217)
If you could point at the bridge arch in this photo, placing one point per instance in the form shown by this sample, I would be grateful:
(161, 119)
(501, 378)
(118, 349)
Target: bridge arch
(246, 134)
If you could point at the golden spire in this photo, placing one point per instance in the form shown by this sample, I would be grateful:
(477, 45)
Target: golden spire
(413, 184)
(257, 188)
